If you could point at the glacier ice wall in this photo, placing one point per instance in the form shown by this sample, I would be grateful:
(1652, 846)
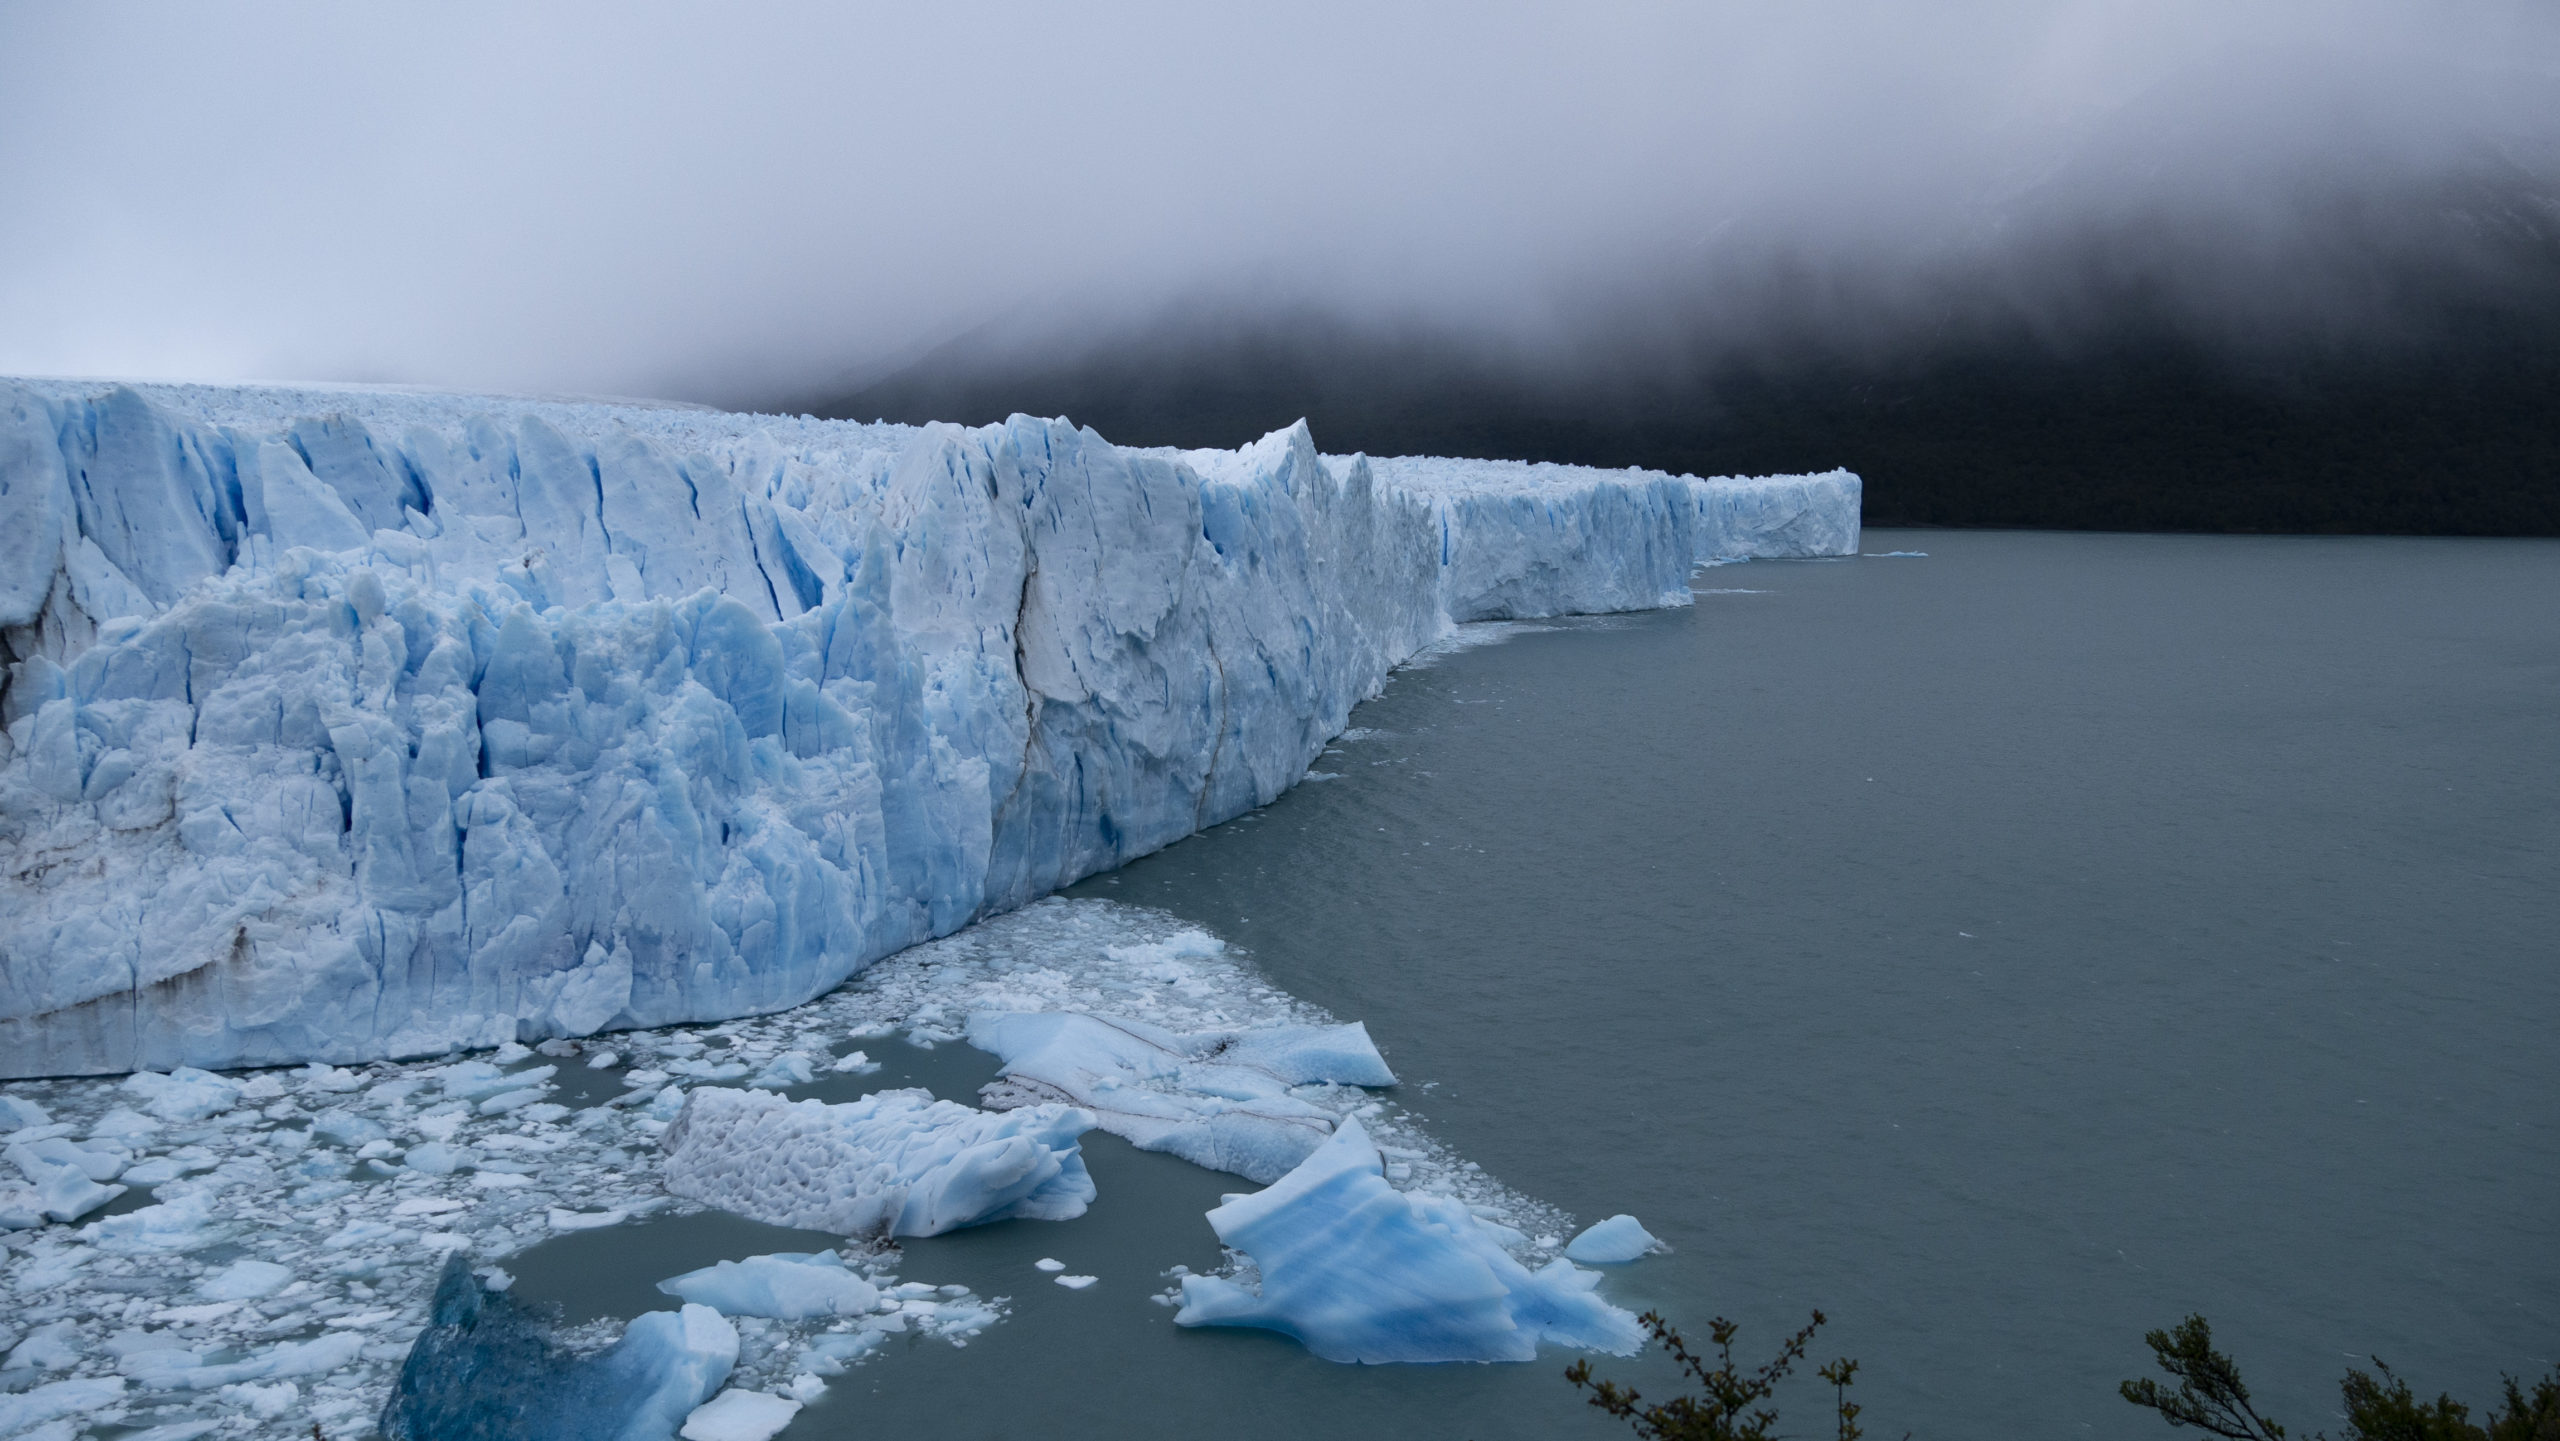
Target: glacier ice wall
(348, 724)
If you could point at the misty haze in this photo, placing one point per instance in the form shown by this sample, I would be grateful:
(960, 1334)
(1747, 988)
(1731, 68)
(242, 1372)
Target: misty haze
(814, 721)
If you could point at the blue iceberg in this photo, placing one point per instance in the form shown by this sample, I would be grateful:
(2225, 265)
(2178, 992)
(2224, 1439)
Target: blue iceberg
(486, 1369)
(1358, 1271)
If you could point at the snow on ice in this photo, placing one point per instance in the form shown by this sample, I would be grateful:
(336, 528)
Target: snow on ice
(344, 725)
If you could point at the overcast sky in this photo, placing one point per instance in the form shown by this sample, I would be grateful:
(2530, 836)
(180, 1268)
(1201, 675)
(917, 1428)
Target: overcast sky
(722, 202)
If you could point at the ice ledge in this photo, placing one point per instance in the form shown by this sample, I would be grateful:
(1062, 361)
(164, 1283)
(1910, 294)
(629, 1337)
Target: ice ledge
(345, 725)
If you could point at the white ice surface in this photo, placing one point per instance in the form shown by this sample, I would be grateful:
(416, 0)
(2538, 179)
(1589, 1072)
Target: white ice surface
(894, 1163)
(342, 725)
(786, 1286)
(1219, 1099)
(1618, 1240)
(736, 1415)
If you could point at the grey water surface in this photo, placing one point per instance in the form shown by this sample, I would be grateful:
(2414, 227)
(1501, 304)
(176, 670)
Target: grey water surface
(2005, 951)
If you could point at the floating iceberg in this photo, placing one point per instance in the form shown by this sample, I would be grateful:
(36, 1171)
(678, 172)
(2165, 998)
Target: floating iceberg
(1358, 1271)
(485, 1370)
(895, 1163)
(1613, 1242)
(347, 725)
(786, 1286)
(1218, 1099)
(740, 1416)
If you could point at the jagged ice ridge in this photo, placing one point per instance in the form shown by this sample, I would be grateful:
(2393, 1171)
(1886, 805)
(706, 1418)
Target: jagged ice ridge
(343, 725)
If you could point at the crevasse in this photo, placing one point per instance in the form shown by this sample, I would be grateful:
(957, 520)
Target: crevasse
(344, 724)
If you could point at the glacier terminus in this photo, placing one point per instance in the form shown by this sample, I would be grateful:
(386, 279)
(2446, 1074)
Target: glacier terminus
(345, 725)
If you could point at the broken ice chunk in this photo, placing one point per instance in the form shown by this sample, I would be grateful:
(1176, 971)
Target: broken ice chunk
(185, 1094)
(485, 1366)
(787, 1286)
(97, 1161)
(244, 1281)
(30, 1409)
(1358, 1271)
(740, 1416)
(1612, 1242)
(59, 1190)
(183, 1223)
(893, 1163)
(791, 1068)
(1218, 1099)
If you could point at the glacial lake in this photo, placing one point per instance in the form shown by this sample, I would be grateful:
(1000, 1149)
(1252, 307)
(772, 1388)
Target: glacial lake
(2004, 951)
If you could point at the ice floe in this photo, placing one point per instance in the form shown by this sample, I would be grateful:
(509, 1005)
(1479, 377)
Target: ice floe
(267, 1225)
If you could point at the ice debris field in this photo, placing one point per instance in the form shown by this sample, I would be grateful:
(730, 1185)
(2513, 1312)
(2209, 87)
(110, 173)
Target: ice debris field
(429, 745)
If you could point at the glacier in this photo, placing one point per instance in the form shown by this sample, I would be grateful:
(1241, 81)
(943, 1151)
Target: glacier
(344, 725)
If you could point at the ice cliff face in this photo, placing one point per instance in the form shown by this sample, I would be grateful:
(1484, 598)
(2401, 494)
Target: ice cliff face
(341, 725)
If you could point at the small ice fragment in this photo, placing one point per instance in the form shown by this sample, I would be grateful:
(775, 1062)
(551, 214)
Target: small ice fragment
(791, 1068)
(185, 1094)
(806, 1387)
(1077, 1283)
(51, 1347)
(244, 1281)
(264, 1402)
(436, 1158)
(740, 1416)
(329, 1079)
(563, 1219)
(122, 1123)
(183, 1224)
(505, 1101)
(1612, 1242)
(30, 1409)
(604, 1060)
(361, 1320)
(854, 1063)
(18, 1113)
(347, 1128)
(428, 1206)
(1050, 1263)
(499, 1180)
